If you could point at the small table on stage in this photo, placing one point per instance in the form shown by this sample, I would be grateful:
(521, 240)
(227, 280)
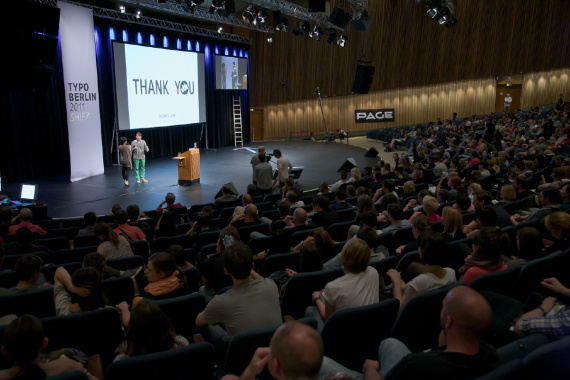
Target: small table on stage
(188, 167)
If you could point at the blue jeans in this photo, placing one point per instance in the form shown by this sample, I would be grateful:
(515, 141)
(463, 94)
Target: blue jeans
(390, 352)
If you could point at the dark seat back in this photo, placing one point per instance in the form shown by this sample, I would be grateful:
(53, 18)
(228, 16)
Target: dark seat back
(182, 312)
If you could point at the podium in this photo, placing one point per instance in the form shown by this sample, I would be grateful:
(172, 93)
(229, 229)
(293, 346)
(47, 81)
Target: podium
(188, 167)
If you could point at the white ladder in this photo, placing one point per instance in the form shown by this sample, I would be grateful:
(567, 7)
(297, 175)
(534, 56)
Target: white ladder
(238, 136)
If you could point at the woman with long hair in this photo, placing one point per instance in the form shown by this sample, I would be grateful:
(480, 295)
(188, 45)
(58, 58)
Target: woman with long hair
(112, 246)
(23, 341)
(166, 280)
(433, 250)
(149, 331)
(488, 246)
(529, 246)
(322, 240)
(452, 221)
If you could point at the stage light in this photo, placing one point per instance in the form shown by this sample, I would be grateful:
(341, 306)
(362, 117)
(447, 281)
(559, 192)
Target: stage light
(281, 22)
(342, 40)
(192, 4)
(432, 12)
(220, 29)
(443, 16)
(332, 37)
(301, 29)
(249, 14)
(270, 39)
(316, 33)
(216, 6)
(260, 18)
(122, 9)
(138, 14)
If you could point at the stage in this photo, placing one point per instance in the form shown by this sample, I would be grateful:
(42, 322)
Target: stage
(321, 160)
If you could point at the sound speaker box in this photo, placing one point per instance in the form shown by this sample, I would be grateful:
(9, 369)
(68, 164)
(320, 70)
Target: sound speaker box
(363, 79)
(348, 164)
(372, 152)
(340, 17)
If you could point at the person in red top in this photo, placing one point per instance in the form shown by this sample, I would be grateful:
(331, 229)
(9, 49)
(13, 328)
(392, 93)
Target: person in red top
(169, 200)
(131, 232)
(488, 246)
(24, 217)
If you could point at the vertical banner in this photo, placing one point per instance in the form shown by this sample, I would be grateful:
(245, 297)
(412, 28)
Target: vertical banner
(76, 34)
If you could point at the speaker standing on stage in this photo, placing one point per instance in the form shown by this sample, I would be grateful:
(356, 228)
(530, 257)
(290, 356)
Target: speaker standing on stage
(283, 168)
(139, 148)
(125, 159)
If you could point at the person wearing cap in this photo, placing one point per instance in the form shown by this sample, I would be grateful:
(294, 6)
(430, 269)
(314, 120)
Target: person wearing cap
(283, 168)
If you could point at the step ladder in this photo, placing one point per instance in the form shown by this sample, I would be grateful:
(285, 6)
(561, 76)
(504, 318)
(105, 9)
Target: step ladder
(238, 135)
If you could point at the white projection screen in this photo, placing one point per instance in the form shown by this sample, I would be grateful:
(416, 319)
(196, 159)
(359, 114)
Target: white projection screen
(157, 87)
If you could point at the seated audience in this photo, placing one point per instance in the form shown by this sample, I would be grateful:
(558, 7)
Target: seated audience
(529, 246)
(433, 249)
(23, 341)
(112, 246)
(78, 293)
(90, 220)
(132, 233)
(25, 217)
(148, 331)
(452, 224)
(488, 246)
(168, 203)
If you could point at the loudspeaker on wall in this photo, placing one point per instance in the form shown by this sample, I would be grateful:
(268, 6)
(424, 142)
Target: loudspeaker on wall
(340, 17)
(348, 164)
(363, 79)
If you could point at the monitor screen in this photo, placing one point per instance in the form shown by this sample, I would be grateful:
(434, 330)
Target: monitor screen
(157, 87)
(29, 192)
(231, 73)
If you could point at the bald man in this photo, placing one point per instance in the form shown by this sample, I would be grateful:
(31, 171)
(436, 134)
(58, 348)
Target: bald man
(295, 352)
(248, 218)
(465, 315)
(25, 217)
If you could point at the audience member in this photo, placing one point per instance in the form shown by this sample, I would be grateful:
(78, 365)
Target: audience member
(132, 233)
(25, 217)
(112, 246)
(89, 220)
(168, 203)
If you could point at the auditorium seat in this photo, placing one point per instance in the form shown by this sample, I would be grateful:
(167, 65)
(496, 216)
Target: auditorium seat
(10, 260)
(62, 256)
(141, 248)
(549, 361)
(512, 370)
(498, 282)
(119, 289)
(419, 335)
(195, 361)
(205, 238)
(161, 244)
(38, 302)
(49, 270)
(182, 312)
(68, 232)
(280, 261)
(260, 244)
(193, 278)
(372, 322)
(53, 243)
(242, 346)
(521, 347)
(405, 262)
(85, 241)
(8, 279)
(297, 295)
(245, 231)
(339, 231)
(299, 236)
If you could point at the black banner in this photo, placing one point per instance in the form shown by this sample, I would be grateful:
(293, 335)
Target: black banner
(374, 116)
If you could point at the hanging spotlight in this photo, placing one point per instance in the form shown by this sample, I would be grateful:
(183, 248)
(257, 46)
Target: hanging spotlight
(342, 40)
(192, 4)
(432, 12)
(270, 39)
(443, 16)
(122, 9)
(280, 21)
(138, 14)
(301, 29)
(249, 14)
(220, 29)
(260, 18)
(216, 6)
(332, 36)
(316, 33)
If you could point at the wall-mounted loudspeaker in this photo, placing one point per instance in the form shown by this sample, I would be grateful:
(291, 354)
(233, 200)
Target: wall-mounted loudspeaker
(363, 79)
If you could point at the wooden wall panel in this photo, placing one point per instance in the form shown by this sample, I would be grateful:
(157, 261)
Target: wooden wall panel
(409, 49)
(412, 105)
(544, 87)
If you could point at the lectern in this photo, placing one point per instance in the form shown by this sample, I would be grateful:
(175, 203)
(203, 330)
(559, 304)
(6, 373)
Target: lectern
(188, 167)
